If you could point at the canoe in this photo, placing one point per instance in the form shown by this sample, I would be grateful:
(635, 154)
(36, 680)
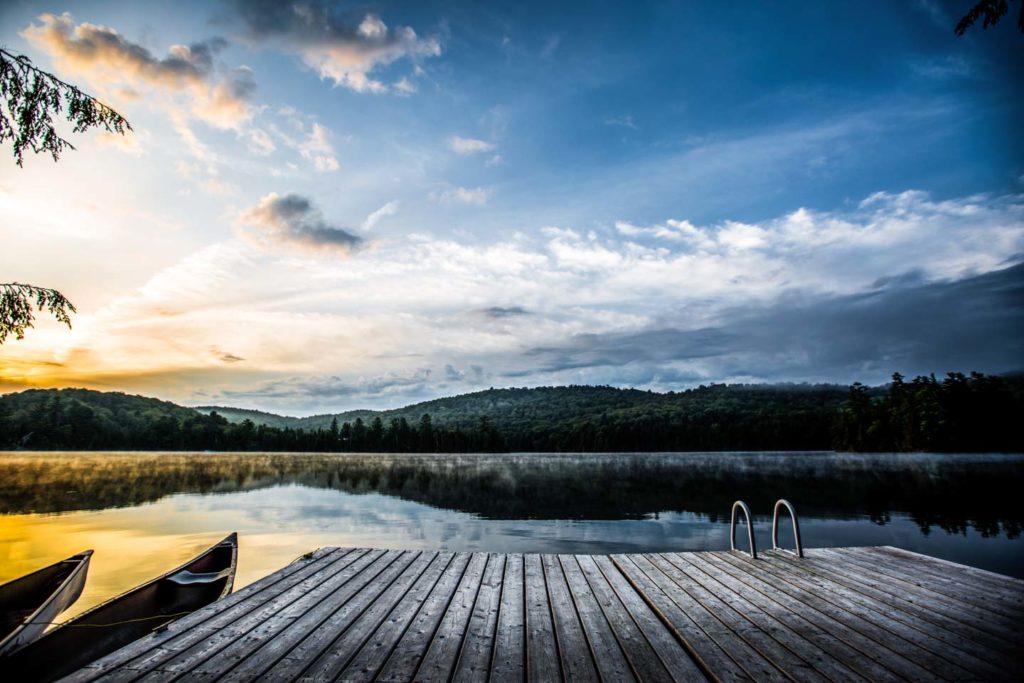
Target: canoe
(109, 626)
(30, 604)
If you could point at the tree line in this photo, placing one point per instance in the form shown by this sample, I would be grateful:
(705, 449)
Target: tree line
(961, 413)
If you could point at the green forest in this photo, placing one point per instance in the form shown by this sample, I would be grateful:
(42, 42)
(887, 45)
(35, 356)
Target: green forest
(959, 413)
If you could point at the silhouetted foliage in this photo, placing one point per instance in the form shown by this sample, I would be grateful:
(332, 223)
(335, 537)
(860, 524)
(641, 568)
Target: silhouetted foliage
(962, 413)
(990, 12)
(959, 414)
(16, 302)
(32, 97)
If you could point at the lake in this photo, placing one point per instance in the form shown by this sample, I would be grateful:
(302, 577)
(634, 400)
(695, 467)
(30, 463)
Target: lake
(144, 513)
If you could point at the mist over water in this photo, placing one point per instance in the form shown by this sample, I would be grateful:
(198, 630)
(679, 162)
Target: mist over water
(144, 512)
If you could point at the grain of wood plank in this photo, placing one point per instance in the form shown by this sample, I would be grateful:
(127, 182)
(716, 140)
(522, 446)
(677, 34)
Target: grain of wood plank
(924, 647)
(685, 621)
(474, 662)
(981, 575)
(736, 614)
(356, 614)
(643, 660)
(669, 651)
(379, 646)
(260, 624)
(924, 614)
(573, 648)
(853, 649)
(963, 620)
(753, 661)
(327, 650)
(898, 654)
(405, 658)
(440, 657)
(609, 657)
(275, 636)
(542, 660)
(145, 653)
(950, 587)
(509, 658)
(789, 629)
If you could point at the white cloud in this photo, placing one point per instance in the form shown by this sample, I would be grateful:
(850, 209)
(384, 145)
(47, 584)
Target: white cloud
(407, 305)
(389, 209)
(467, 195)
(466, 146)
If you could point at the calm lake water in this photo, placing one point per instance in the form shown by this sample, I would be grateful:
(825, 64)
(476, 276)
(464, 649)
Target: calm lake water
(144, 513)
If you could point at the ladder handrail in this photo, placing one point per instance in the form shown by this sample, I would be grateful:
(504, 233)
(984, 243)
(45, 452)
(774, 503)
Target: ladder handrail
(782, 502)
(739, 504)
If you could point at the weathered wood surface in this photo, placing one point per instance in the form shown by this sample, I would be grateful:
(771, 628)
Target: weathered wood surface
(839, 614)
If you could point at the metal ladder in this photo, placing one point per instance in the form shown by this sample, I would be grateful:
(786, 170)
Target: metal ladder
(739, 505)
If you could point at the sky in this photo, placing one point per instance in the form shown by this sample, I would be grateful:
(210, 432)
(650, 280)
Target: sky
(326, 206)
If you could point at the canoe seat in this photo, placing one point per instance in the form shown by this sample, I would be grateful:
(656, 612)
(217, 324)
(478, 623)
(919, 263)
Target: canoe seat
(185, 577)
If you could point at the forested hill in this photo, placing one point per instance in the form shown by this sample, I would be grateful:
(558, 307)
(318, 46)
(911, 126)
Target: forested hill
(539, 409)
(959, 412)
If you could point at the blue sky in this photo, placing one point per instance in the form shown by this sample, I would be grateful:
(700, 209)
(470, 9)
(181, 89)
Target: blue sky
(332, 205)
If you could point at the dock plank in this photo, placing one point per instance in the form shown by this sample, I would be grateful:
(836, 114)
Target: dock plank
(643, 661)
(474, 661)
(405, 657)
(444, 649)
(573, 648)
(326, 651)
(963, 621)
(853, 649)
(676, 659)
(736, 614)
(543, 663)
(839, 614)
(509, 658)
(609, 657)
(268, 593)
(924, 645)
(379, 646)
(788, 631)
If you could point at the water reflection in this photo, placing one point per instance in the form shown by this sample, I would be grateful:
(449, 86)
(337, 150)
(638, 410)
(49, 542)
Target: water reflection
(145, 512)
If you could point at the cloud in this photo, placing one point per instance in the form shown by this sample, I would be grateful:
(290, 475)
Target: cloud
(899, 281)
(466, 146)
(341, 49)
(466, 195)
(389, 209)
(106, 60)
(318, 149)
(503, 311)
(865, 336)
(624, 121)
(292, 220)
(334, 387)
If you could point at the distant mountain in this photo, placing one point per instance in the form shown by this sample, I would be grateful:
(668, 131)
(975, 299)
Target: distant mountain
(521, 408)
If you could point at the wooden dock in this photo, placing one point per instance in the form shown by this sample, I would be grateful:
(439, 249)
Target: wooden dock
(841, 614)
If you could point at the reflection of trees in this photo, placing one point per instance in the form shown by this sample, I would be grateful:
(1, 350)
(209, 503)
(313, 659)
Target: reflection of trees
(951, 493)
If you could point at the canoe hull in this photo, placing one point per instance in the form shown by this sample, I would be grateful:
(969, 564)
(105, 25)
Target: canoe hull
(28, 605)
(128, 617)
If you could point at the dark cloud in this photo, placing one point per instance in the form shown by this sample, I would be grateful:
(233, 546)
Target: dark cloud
(503, 312)
(971, 324)
(293, 220)
(344, 46)
(333, 387)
